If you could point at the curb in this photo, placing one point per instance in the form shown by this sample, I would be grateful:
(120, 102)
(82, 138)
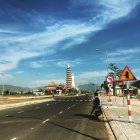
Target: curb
(14, 105)
(119, 135)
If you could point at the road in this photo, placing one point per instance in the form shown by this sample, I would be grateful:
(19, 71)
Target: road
(65, 118)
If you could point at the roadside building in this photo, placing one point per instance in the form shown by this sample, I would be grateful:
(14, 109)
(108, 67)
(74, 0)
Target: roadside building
(38, 92)
(54, 88)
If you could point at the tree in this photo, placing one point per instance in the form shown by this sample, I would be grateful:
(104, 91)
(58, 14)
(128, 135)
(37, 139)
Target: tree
(136, 84)
(115, 69)
(6, 92)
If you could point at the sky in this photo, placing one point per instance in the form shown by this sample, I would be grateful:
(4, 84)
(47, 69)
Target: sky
(39, 38)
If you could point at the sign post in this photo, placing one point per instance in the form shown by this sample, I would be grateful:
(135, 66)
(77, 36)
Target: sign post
(109, 81)
(129, 102)
(127, 75)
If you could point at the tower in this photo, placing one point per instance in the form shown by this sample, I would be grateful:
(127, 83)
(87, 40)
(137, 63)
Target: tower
(68, 79)
(73, 81)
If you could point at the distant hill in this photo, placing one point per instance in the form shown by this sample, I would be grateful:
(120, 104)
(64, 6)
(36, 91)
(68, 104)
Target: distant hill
(13, 88)
(88, 87)
(85, 87)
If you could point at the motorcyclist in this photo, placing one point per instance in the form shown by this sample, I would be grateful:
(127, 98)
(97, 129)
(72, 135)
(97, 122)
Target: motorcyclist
(96, 102)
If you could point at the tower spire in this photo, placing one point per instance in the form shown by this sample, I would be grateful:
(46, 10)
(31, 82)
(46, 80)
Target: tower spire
(68, 79)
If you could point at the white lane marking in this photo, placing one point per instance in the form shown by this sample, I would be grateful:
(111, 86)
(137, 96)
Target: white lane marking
(37, 107)
(46, 121)
(85, 100)
(20, 111)
(13, 138)
(47, 104)
(32, 128)
(60, 112)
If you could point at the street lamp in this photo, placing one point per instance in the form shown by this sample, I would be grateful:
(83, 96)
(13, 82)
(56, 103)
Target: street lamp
(92, 88)
(107, 61)
(106, 55)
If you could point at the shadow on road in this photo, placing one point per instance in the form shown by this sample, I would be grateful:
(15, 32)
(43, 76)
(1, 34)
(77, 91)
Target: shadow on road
(73, 130)
(90, 117)
(56, 124)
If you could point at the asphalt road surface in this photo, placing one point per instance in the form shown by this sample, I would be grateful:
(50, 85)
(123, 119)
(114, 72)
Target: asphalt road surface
(65, 118)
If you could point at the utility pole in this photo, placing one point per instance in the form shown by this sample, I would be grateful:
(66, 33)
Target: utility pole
(2, 83)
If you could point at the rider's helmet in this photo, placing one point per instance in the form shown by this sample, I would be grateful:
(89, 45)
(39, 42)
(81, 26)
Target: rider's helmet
(96, 93)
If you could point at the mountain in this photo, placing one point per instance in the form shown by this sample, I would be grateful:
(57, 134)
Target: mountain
(88, 87)
(13, 88)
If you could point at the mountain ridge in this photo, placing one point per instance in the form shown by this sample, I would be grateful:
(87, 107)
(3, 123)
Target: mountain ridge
(13, 88)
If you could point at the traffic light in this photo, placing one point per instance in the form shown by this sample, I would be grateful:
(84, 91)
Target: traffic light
(126, 74)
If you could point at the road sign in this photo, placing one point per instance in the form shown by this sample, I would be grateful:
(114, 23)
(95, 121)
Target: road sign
(109, 79)
(127, 75)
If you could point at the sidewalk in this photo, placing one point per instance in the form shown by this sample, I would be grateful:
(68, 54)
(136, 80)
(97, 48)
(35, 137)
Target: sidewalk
(9, 102)
(117, 115)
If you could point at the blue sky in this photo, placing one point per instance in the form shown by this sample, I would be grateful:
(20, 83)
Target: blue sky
(39, 38)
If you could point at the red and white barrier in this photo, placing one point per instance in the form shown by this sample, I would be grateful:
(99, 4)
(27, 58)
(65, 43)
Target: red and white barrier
(129, 103)
(129, 106)
(110, 97)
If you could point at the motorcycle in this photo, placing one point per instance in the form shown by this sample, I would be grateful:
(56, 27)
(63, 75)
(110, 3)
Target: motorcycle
(97, 112)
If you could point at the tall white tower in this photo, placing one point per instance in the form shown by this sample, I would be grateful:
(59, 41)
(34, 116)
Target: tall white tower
(69, 78)
(73, 82)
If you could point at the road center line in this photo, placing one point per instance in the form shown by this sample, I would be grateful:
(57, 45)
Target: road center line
(54, 116)
(20, 111)
(37, 107)
(13, 138)
(46, 121)
(60, 112)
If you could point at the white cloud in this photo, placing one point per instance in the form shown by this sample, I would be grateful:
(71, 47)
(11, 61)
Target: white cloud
(31, 46)
(123, 55)
(75, 41)
(39, 83)
(12, 58)
(4, 77)
(122, 52)
(6, 31)
(136, 70)
(36, 65)
(16, 48)
(64, 63)
(91, 74)
(94, 76)
(117, 9)
(19, 72)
